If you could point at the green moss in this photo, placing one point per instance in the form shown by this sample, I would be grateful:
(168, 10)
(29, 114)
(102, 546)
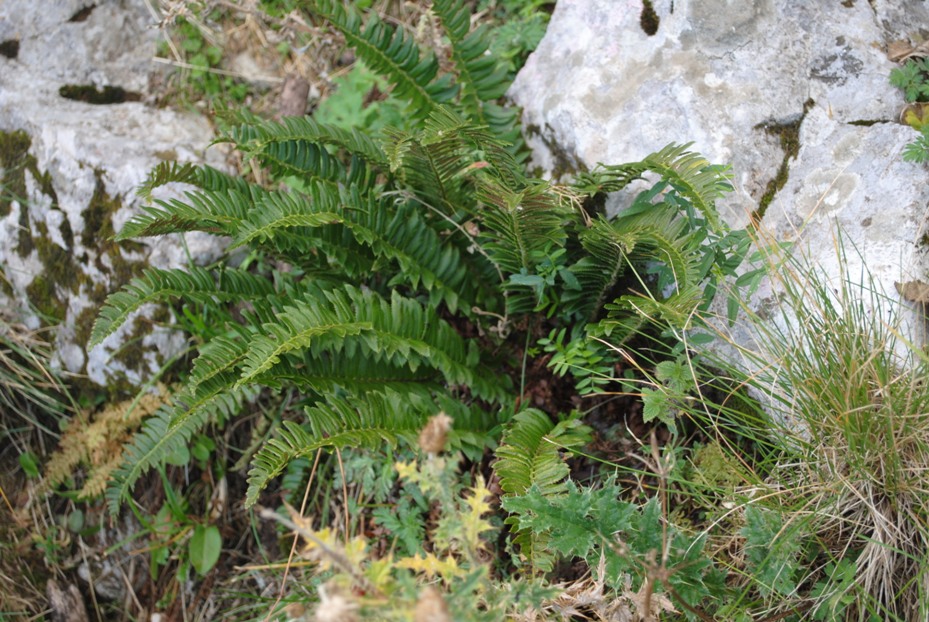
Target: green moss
(44, 297)
(132, 353)
(788, 133)
(649, 20)
(90, 94)
(14, 160)
(564, 164)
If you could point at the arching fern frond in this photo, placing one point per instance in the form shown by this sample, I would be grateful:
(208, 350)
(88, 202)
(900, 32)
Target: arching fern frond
(481, 75)
(326, 372)
(200, 175)
(530, 452)
(219, 213)
(392, 53)
(349, 319)
(425, 258)
(254, 135)
(277, 211)
(156, 285)
(169, 429)
(689, 173)
(367, 420)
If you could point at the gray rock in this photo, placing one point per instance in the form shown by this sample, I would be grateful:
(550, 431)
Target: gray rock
(758, 85)
(70, 170)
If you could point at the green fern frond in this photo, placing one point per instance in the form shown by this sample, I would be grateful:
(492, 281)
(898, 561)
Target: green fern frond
(170, 429)
(518, 225)
(437, 263)
(202, 176)
(334, 373)
(367, 420)
(482, 76)
(349, 319)
(598, 271)
(659, 234)
(628, 314)
(218, 212)
(305, 160)
(286, 210)
(219, 355)
(530, 454)
(689, 173)
(156, 285)
(254, 135)
(392, 53)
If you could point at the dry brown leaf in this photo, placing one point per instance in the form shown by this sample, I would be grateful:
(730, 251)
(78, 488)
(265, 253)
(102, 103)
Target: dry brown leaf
(914, 291)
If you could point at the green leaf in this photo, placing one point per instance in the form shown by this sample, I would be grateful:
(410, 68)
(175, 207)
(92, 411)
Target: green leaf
(772, 550)
(204, 548)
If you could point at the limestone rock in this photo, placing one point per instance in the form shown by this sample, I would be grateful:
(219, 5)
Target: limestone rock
(70, 169)
(793, 94)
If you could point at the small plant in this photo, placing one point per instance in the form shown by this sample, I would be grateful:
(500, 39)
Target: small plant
(913, 79)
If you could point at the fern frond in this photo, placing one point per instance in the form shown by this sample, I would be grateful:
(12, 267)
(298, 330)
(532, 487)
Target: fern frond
(517, 225)
(254, 135)
(170, 429)
(348, 319)
(367, 420)
(334, 373)
(530, 454)
(200, 175)
(424, 258)
(688, 172)
(628, 314)
(285, 210)
(217, 212)
(599, 270)
(156, 285)
(219, 355)
(392, 53)
(482, 76)
(435, 162)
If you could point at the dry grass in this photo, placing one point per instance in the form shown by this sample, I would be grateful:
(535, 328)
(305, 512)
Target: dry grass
(850, 407)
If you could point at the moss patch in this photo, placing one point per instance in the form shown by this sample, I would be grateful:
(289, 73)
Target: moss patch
(564, 163)
(14, 159)
(45, 298)
(90, 94)
(649, 19)
(788, 133)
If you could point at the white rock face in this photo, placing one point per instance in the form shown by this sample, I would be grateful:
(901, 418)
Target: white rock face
(72, 168)
(735, 77)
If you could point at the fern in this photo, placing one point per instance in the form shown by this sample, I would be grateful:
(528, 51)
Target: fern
(688, 172)
(530, 456)
(392, 53)
(370, 421)
(213, 212)
(254, 136)
(170, 429)
(155, 285)
(202, 176)
(483, 78)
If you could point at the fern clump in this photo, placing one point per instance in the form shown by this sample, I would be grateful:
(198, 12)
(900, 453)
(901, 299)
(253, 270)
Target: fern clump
(410, 268)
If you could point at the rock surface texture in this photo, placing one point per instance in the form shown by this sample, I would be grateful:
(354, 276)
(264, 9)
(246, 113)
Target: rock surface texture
(69, 170)
(793, 94)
